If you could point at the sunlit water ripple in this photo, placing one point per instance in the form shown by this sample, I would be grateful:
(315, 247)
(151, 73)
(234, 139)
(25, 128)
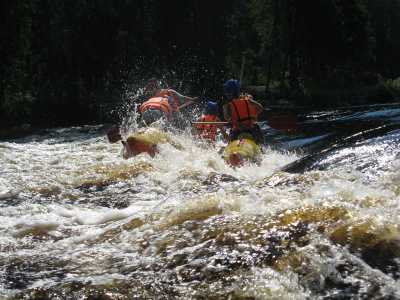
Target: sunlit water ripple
(78, 221)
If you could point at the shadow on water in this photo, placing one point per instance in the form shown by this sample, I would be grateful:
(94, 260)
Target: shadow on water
(319, 134)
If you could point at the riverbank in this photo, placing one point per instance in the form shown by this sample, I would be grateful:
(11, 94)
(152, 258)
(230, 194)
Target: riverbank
(319, 98)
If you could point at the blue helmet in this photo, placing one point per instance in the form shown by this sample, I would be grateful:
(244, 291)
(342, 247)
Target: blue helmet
(211, 108)
(231, 88)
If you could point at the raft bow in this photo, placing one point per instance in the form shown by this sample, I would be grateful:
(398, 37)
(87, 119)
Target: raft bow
(145, 140)
(241, 150)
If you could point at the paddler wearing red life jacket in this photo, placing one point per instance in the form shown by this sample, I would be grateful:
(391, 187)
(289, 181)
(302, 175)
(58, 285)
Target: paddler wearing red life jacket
(241, 111)
(208, 132)
(162, 103)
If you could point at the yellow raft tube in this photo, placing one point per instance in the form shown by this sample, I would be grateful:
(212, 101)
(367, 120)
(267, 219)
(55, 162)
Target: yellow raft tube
(243, 149)
(145, 141)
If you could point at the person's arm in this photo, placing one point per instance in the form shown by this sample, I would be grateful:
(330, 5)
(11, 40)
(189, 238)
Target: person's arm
(182, 98)
(227, 112)
(258, 106)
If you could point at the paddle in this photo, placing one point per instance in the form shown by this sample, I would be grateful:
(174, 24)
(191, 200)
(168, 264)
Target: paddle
(279, 120)
(186, 104)
(209, 123)
(286, 121)
(113, 134)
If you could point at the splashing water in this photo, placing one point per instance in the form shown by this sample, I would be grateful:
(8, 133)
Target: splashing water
(78, 221)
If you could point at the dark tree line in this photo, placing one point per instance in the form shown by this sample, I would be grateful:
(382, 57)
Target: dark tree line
(73, 61)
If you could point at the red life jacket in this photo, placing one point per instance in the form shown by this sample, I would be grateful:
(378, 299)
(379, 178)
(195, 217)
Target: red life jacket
(159, 103)
(243, 113)
(207, 131)
(166, 94)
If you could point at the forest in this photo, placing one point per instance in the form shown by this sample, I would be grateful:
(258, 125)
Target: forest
(74, 62)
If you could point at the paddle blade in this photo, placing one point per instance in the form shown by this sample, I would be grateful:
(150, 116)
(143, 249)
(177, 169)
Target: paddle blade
(286, 121)
(113, 134)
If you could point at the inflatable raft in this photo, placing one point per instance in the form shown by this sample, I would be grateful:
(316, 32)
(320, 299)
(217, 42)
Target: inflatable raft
(146, 140)
(242, 150)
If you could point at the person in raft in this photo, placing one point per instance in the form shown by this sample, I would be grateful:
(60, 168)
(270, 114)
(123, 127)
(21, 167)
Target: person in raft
(162, 103)
(208, 132)
(241, 111)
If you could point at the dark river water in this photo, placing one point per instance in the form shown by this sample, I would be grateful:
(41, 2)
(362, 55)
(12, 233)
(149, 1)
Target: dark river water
(317, 219)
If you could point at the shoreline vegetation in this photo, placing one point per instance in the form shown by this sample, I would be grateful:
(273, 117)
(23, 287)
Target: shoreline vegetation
(315, 99)
(384, 93)
(79, 63)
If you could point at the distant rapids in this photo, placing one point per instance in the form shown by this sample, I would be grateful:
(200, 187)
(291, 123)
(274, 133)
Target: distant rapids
(318, 219)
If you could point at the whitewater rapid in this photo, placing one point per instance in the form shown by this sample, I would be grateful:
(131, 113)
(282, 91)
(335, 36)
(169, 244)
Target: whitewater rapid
(77, 220)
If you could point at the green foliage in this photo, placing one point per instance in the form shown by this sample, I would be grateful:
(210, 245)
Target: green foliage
(16, 98)
(393, 87)
(73, 61)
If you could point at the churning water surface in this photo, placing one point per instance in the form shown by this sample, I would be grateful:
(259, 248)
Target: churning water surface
(79, 222)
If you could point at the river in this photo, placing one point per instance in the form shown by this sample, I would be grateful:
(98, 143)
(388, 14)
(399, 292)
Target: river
(318, 219)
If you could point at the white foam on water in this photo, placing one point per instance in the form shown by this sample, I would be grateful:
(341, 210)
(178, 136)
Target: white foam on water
(96, 216)
(43, 175)
(267, 283)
